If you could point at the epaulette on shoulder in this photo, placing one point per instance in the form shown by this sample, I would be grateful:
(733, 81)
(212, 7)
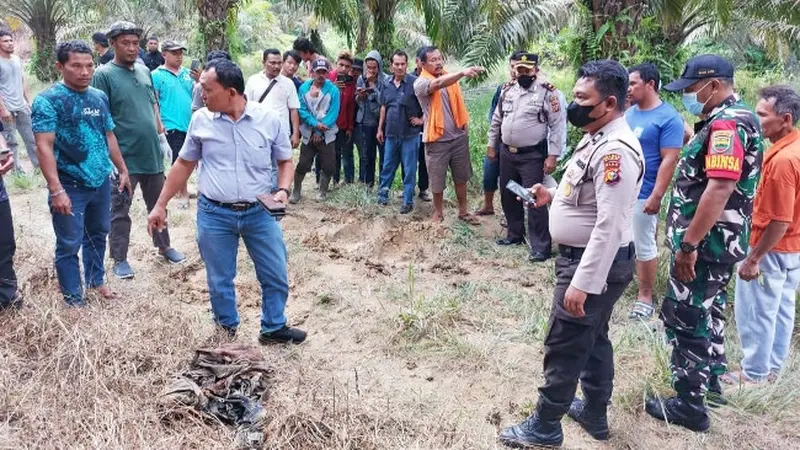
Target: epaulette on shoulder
(507, 85)
(549, 86)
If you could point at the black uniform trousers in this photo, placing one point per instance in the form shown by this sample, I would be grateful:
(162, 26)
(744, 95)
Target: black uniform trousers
(526, 169)
(578, 347)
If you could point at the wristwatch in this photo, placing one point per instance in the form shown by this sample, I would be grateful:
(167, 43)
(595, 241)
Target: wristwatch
(688, 248)
(288, 193)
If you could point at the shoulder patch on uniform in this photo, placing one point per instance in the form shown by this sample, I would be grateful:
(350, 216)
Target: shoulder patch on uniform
(612, 163)
(555, 104)
(549, 86)
(722, 142)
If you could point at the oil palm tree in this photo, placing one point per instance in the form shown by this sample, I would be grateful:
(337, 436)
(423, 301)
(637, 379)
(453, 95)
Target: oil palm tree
(45, 18)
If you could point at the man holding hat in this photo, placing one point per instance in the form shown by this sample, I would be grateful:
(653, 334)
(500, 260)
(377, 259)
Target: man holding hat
(708, 230)
(134, 109)
(173, 83)
(530, 121)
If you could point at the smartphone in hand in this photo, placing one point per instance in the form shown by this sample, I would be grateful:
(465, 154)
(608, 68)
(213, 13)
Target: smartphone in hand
(195, 65)
(521, 192)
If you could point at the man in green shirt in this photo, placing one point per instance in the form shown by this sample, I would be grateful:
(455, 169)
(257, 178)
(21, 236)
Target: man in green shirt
(134, 109)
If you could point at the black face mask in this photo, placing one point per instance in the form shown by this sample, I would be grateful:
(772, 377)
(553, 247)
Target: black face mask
(525, 81)
(578, 115)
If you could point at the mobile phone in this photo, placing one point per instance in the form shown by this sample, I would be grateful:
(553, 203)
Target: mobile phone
(521, 192)
(195, 65)
(275, 209)
(344, 78)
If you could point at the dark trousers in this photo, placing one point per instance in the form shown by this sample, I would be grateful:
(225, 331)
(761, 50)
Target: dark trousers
(369, 149)
(324, 154)
(422, 168)
(119, 235)
(578, 347)
(344, 157)
(526, 169)
(175, 138)
(8, 278)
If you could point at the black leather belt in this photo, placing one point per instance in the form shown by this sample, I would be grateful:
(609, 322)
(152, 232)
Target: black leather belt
(238, 206)
(541, 146)
(623, 254)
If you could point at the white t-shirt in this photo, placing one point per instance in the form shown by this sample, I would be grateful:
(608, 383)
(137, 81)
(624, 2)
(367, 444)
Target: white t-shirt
(280, 99)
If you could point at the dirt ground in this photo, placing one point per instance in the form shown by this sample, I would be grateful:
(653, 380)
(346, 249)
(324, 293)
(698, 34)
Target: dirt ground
(421, 336)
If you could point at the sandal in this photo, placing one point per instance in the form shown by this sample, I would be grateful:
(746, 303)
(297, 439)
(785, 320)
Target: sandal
(470, 219)
(641, 311)
(484, 212)
(738, 379)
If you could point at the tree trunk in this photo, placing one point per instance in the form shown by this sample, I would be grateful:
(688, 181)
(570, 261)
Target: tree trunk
(604, 11)
(362, 40)
(44, 61)
(213, 21)
(383, 25)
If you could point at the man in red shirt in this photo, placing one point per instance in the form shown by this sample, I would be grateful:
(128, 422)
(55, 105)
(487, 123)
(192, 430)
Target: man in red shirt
(347, 115)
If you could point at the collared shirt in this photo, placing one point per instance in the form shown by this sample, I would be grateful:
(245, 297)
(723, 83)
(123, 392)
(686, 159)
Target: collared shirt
(593, 205)
(401, 105)
(131, 98)
(525, 117)
(281, 98)
(236, 157)
(727, 145)
(778, 194)
(174, 97)
(79, 121)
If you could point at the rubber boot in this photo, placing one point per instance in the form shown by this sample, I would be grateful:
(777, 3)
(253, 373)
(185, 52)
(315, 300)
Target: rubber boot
(688, 412)
(540, 429)
(324, 185)
(297, 193)
(591, 416)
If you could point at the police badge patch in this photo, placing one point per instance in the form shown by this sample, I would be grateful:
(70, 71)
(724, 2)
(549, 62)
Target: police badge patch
(555, 105)
(612, 163)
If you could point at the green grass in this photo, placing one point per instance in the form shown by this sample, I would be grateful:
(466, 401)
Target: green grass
(23, 182)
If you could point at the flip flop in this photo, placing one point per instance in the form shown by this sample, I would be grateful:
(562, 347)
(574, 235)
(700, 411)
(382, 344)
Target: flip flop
(483, 212)
(641, 311)
(470, 219)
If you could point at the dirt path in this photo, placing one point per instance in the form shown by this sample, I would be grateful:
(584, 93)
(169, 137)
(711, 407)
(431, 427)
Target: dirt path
(420, 337)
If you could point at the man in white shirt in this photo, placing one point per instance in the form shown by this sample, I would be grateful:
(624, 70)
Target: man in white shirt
(279, 94)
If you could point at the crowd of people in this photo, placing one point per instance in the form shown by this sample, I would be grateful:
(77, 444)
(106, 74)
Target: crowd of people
(100, 133)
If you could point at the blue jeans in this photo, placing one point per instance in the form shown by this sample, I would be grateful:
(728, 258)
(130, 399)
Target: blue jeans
(491, 172)
(398, 149)
(85, 229)
(765, 309)
(218, 232)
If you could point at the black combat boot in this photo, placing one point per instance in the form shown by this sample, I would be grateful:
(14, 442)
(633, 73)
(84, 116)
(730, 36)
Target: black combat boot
(688, 412)
(591, 416)
(537, 430)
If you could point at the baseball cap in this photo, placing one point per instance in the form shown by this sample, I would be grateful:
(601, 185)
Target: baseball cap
(358, 64)
(168, 46)
(320, 63)
(123, 27)
(527, 60)
(700, 67)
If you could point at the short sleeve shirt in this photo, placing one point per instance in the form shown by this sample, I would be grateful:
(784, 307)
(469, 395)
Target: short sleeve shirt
(451, 132)
(657, 129)
(281, 98)
(131, 98)
(174, 97)
(80, 121)
(236, 157)
(401, 105)
(728, 145)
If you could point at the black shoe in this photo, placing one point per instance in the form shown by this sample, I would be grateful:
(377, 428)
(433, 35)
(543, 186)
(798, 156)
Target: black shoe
(533, 431)
(405, 209)
(538, 257)
(507, 241)
(591, 418)
(689, 413)
(714, 395)
(285, 335)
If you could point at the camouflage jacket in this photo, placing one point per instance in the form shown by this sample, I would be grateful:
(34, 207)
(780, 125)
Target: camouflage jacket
(727, 145)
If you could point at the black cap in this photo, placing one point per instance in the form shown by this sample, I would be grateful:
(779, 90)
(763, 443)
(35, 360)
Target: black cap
(701, 67)
(527, 60)
(358, 64)
(320, 63)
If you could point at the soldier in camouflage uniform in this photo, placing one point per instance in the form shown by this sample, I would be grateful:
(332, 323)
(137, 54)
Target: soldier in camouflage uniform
(708, 228)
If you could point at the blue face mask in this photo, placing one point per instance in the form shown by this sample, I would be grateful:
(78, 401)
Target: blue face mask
(691, 103)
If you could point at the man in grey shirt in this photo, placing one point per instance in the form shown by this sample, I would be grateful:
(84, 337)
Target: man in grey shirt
(235, 141)
(15, 111)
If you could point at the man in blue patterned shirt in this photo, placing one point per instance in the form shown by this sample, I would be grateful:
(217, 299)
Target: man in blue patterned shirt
(76, 146)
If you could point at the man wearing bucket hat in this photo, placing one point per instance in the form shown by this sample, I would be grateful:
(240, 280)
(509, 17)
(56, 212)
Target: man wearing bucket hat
(708, 229)
(531, 119)
(134, 109)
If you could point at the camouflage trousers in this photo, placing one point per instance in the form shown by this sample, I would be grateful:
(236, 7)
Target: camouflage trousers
(693, 318)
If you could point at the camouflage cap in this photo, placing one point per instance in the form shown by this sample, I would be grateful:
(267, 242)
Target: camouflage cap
(123, 27)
